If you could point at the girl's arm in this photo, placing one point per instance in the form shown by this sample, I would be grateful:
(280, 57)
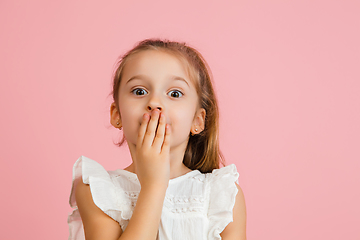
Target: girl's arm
(236, 230)
(97, 225)
(144, 221)
(153, 169)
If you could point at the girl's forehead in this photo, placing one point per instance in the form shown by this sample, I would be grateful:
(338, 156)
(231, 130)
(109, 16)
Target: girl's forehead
(148, 60)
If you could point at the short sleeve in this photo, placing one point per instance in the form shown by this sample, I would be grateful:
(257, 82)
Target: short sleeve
(110, 199)
(222, 197)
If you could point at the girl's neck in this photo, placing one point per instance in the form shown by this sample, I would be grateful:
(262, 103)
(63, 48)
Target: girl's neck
(175, 171)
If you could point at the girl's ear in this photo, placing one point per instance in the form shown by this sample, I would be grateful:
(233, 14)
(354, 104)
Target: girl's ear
(115, 119)
(199, 122)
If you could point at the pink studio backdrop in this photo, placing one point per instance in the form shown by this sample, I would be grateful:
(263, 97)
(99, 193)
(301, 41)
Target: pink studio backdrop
(287, 79)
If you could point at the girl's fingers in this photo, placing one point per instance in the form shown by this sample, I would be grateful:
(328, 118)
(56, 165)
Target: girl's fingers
(151, 128)
(166, 143)
(160, 132)
(142, 129)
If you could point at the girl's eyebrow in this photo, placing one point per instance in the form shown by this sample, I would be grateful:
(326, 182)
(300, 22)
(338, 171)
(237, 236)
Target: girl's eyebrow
(140, 76)
(136, 77)
(181, 79)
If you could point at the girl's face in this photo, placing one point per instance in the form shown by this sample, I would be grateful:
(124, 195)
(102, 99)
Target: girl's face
(157, 80)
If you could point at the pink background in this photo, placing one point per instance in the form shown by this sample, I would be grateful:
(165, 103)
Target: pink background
(287, 78)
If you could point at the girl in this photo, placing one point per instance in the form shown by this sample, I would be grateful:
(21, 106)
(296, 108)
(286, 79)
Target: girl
(166, 107)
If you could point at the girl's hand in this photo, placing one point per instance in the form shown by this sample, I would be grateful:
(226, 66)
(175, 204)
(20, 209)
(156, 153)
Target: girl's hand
(152, 164)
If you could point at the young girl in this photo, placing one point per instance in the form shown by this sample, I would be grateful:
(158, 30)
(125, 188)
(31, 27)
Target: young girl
(166, 107)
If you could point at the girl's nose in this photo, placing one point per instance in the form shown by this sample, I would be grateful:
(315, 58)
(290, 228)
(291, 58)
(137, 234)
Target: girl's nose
(155, 103)
(152, 108)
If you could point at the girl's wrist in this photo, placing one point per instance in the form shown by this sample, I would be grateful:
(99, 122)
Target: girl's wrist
(155, 187)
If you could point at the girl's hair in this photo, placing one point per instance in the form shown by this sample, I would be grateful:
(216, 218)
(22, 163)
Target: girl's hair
(202, 152)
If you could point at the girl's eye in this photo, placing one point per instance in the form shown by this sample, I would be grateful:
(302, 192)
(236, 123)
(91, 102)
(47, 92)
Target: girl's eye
(139, 91)
(175, 94)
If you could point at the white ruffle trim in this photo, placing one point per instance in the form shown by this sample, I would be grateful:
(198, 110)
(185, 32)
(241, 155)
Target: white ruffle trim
(222, 199)
(110, 199)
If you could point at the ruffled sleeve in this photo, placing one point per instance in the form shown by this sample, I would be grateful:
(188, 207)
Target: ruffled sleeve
(222, 196)
(110, 199)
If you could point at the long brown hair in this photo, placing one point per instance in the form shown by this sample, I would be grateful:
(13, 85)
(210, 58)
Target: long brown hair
(202, 151)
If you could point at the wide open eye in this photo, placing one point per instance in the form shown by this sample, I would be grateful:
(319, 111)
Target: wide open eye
(175, 93)
(139, 91)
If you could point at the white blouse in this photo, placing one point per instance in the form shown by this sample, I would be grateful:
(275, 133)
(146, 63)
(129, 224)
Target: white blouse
(196, 206)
